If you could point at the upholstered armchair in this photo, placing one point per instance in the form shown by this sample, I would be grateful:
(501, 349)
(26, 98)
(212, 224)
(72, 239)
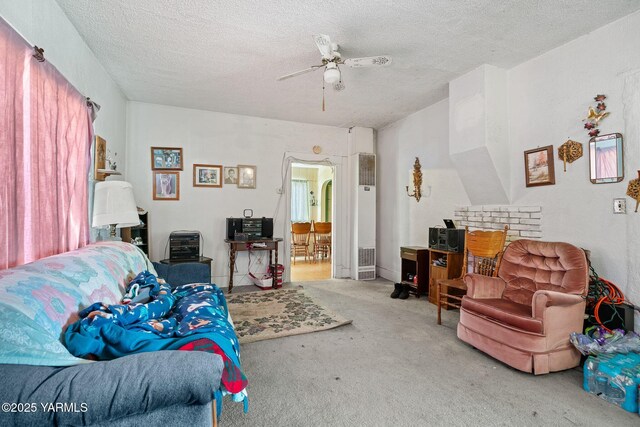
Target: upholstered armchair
(523, 317)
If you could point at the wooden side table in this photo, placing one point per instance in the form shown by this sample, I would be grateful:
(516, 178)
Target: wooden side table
(451, 269)
(270, 245)
(415, 261)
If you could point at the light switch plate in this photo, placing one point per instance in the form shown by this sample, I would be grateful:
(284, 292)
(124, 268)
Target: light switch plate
(619, 206)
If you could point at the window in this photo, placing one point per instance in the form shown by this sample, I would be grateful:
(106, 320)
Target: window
(299, 200)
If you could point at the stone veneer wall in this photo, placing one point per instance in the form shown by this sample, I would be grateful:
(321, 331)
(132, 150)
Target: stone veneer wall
(523, 221)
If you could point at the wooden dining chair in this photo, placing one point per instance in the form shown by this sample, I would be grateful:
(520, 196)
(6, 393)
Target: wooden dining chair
(482, 255)
(322, 239)
(300, 236)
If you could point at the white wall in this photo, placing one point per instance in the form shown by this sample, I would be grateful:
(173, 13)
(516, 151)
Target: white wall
(325, 174)
(548, 98)
(222, 139)
(43, 23)
(401, 220)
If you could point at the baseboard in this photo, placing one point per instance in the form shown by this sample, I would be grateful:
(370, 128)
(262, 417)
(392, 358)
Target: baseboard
(391, 275)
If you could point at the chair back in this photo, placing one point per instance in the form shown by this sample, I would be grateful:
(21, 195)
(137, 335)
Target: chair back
(483, 251)
(322, 227)
(531, 265)
(300, 232)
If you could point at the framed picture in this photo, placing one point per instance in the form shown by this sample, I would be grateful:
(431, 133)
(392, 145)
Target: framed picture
(166, 158)
(100, 158)
(166, 186)
(207, 175)
(246, 176)
(538, 166)
(230, 175)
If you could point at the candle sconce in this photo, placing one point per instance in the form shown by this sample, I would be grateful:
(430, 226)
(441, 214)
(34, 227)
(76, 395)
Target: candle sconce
(417, 181)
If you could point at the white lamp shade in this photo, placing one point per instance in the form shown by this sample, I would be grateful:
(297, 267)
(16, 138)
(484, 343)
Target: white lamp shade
(331, 75)
(113, 203)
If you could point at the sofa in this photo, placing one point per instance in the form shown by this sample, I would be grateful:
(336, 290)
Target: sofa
(523, 317)
(43, 384)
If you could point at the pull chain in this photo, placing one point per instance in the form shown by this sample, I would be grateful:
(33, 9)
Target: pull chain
(323, 93)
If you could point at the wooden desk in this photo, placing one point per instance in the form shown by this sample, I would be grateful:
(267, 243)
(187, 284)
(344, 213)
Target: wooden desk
(270, 245)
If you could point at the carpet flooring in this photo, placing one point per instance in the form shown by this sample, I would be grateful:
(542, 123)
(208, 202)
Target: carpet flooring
(393, 366)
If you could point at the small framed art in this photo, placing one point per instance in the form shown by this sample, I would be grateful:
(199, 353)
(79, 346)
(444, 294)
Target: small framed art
(166, 158)
(246, 176)
(100, 158)
(166, 186)
(207, 175)
(230, 175)
(538, 166)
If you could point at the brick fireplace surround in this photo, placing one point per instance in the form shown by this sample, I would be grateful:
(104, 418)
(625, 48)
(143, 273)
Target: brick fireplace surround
(523, 221)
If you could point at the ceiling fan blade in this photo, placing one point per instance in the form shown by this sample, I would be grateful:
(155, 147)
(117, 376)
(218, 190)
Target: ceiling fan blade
(297, 73)
(370, 61)
(324, 45)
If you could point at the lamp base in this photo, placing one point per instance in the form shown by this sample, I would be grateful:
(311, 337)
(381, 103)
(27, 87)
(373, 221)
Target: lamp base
(112, 235)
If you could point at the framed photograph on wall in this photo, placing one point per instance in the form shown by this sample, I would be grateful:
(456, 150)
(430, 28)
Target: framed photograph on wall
(100, 158)
(166, 186)
(166, 158)
(207, 175)
(538, 166)
(246, 176)
(230, 175)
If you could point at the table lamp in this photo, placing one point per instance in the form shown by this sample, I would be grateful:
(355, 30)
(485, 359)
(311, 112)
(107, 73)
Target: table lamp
(114, 205)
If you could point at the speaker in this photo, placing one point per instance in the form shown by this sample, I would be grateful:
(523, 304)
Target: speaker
(455, 239)
(234, 225)
(433, 238)
(267, 228)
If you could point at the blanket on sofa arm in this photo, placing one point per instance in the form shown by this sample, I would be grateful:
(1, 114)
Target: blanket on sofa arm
(191, 317)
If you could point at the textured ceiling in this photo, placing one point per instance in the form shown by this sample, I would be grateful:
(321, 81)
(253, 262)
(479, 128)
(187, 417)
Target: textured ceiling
(226, 55)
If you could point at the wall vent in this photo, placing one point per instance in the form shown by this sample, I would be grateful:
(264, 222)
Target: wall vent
(367, 275)
(367, 169)
(366, 257)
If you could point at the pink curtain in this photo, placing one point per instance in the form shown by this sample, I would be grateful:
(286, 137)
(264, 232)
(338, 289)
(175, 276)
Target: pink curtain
(44, 162)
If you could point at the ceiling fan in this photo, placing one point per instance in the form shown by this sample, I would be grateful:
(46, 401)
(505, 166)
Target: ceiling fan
(332, 59)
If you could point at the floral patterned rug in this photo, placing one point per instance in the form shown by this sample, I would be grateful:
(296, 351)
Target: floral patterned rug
(264, 315)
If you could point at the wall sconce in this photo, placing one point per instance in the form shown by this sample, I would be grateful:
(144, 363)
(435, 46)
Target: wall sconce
(417, 181)
(312, 199)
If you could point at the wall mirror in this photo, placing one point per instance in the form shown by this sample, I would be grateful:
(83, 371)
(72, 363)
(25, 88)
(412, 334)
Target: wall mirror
(606, 160)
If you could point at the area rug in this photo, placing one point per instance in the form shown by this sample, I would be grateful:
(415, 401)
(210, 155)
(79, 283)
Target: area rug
(265, 315)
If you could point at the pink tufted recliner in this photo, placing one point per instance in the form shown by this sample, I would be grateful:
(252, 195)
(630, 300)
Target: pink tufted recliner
(524, 316)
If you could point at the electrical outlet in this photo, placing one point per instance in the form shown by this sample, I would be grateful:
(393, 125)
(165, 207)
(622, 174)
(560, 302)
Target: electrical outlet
(619, 206)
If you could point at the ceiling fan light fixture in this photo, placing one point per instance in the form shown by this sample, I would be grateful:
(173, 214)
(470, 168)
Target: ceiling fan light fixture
(331, 74)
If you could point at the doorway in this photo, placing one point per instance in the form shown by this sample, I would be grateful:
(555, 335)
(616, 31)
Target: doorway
(311, 222)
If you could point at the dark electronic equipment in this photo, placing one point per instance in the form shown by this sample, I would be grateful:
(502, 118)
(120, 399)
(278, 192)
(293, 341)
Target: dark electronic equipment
(618, 316)
(446, 239)
(448, 223)
(249, 228)
(184, 245)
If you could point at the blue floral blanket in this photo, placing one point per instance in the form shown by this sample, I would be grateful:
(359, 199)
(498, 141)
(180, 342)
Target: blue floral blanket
(152, 317)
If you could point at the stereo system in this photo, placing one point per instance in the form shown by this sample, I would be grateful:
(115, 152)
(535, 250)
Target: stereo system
(446, 239)
(184, 245)
(249, 228)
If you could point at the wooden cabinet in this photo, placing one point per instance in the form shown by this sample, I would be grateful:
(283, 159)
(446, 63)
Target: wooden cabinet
(139, 233)
(415, 261)
(442, 265)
